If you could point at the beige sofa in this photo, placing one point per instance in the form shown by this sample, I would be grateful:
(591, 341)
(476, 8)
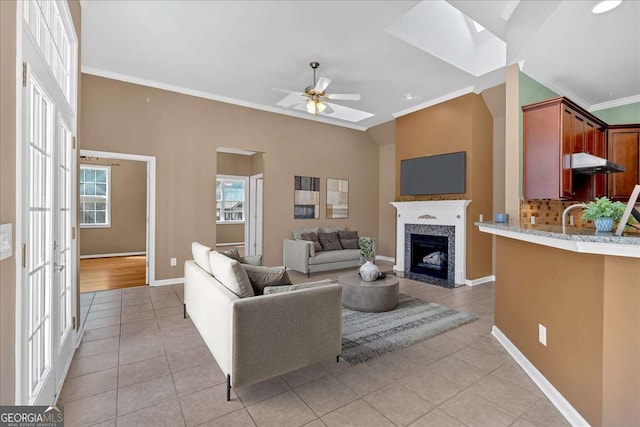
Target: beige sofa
(259, 337)
(300, 255)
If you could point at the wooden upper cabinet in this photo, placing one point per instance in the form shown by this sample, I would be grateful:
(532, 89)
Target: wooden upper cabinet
(624, 149)
(553, 130)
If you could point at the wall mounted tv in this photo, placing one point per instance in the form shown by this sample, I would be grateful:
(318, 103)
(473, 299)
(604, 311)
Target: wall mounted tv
(441, 174)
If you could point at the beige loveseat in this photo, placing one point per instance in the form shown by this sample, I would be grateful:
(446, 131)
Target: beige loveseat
(303, 256)
(254, 338)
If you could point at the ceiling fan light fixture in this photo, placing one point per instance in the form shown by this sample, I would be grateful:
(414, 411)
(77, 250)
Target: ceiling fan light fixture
(605, 6)
(321, 107)
(311, 107)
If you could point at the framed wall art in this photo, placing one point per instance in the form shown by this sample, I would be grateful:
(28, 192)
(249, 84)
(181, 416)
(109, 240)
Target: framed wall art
(306, 199)
(337, 198)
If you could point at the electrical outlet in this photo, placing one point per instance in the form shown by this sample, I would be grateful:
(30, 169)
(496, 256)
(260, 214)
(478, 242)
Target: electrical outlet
(5, 241)
(533, 219)
(481, 217)
(571, 220)
(542, 335)
(174, 262)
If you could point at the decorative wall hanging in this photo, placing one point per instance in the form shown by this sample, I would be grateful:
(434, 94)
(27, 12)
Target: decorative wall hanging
(337, 198)
(306, 200)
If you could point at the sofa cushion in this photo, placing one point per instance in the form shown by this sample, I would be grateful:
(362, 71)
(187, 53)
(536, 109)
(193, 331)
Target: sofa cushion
(261, 276)
(231, 274)
(284, 288)
(330, 241)
(348, 239)
(297, 232)
(329, 229)
(312, 237)
(201, 256)
(335, 256)
(234, 254)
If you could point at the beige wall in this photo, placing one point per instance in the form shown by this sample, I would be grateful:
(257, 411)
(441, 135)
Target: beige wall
(590, 305)
(229, 233)
(386, 244)
(182, 132)
(234, 164)
(512, 159)
(7, 197)
(461, 124)
(128, 231)
(257, 164)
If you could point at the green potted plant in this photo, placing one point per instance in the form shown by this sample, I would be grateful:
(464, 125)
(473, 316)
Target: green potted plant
(603, 212)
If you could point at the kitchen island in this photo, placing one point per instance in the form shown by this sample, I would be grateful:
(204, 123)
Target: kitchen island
(583, 288)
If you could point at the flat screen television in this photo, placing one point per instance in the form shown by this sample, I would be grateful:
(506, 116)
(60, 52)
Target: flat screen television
(440, 174)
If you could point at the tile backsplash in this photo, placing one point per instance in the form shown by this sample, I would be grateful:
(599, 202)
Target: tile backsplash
(549, 212)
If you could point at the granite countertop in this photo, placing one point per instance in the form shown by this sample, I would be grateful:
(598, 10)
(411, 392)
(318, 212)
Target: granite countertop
(577, 234)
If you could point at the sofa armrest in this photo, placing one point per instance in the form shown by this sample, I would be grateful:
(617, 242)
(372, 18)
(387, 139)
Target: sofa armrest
(303, 327)
(296, 254)
(253, 259)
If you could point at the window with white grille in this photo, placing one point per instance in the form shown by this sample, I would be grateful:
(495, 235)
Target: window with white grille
(43, 19)
(94, 196)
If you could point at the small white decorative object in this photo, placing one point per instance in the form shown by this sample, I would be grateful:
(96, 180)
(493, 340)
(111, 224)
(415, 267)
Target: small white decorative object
(369, 271)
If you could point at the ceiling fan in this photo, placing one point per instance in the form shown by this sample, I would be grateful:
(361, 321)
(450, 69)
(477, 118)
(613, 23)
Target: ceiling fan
(314, 100)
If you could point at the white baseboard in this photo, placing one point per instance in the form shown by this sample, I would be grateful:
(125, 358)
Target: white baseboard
(558, 400)
(166, 282)
(480, 281)
(385, 258)
(229, 244)
(113, 255)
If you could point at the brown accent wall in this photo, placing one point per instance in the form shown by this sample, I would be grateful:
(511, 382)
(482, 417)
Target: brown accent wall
(590, 305)
(621, 341)
(461, 124)
(182, 132)
(7, 196)
(128, 230)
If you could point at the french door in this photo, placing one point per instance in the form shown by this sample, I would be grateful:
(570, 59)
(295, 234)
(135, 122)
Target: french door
(47, 288)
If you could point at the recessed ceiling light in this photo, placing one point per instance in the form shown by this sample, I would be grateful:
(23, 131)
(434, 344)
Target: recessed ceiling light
(409, 96)
(605, 6)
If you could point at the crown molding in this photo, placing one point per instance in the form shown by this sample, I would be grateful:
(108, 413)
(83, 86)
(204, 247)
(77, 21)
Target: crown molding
(214, 97)
(434, 101)
(615, 103)
(559, 89)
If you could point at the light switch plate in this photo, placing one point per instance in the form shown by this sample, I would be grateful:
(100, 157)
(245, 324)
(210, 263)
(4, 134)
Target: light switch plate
(6, 241)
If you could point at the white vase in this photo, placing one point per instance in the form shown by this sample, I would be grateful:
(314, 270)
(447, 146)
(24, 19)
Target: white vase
(369, 271)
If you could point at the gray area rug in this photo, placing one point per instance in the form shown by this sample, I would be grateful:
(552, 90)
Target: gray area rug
(369, 335)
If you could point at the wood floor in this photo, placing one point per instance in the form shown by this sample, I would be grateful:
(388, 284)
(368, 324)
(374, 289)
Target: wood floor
(101, 274)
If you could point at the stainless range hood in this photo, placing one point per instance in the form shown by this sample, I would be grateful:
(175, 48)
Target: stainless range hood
(590, 164)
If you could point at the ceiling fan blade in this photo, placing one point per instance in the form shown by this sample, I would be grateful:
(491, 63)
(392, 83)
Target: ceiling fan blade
(291, 99)
(346, 113)
(277, 89)
(345, 96)
(322, 84)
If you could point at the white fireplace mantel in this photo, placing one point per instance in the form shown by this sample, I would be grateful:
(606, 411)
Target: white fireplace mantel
(436, 212)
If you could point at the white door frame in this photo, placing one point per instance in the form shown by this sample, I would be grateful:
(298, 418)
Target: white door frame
(22, 179)
(151, 203)
(251, 242)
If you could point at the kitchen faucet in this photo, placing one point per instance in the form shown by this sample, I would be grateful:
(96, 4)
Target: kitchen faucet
(564, 215)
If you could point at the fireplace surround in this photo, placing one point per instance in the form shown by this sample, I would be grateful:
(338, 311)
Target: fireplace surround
(444, 218)
(430, 254)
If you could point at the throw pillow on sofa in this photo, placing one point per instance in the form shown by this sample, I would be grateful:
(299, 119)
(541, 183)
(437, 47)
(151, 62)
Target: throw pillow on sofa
(201, 256)
(231, 274)
(261, 277)
(312, 237)
(277, 289)
(234, 254)
(330, 241)
(348, 239)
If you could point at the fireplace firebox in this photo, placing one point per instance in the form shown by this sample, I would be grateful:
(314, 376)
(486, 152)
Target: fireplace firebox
(430, 254)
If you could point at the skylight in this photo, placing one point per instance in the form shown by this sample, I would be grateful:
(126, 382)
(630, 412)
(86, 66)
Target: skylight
(479, 28)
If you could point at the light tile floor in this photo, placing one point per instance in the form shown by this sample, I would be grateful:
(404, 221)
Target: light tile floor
(141, 364)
